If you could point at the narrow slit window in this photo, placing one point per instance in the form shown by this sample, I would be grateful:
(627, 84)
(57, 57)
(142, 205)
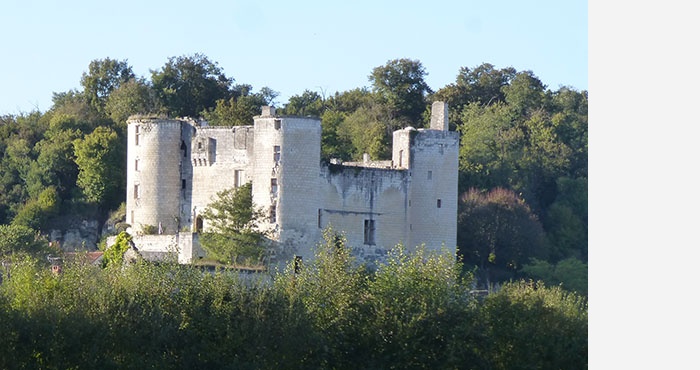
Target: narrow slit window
(184, 184)
(430, 175)
(136, 165)
(137, 130)
(439, 203)
(237, 178)
(369, 232)
(137, 192)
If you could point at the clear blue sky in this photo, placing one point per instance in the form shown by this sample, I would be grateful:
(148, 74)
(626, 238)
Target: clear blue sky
(289, 46)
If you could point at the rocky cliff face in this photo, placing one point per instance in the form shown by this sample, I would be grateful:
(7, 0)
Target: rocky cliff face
(82, 236)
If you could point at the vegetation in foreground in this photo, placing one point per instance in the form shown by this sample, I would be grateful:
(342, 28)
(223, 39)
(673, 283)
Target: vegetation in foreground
(417, 311)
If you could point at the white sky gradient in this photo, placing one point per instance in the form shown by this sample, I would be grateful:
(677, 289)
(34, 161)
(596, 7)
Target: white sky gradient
(289, 46)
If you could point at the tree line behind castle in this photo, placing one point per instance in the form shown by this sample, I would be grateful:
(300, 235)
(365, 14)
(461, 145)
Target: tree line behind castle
(523, 157)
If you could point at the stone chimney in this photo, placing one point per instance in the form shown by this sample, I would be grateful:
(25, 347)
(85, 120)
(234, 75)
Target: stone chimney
(438, 117)
(268, 111)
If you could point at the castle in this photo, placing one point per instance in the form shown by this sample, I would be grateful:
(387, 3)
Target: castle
(175, 167)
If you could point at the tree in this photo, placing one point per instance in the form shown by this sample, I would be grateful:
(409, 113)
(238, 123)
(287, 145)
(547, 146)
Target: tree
(366, 129)
(482, 85)
(104, 76)
(570, 273)
(231, 224)
(132, 97)
(498, 233)
(527, 325)
(36, 212)
(240, 109)
(114, 255)
(20, 238)
(400, 84)
(189, 85)
(100, 157)
(309, 103)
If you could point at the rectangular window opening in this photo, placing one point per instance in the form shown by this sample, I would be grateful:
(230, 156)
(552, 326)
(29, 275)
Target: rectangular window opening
(277, 153)
(137, 192)
(278, 124)
(273, 213)
(184, 184)
(273, 185)
(137, 130)
(136, 165)
(439, 203)
(369, 232)
(430, 175)
(319, 218)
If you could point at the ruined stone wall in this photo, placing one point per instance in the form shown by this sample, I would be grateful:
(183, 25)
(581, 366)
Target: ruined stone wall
(370, 205)
(221, 159)
(179, 166)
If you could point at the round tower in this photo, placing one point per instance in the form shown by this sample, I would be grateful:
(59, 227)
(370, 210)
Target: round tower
(286, 178)
(153, 175)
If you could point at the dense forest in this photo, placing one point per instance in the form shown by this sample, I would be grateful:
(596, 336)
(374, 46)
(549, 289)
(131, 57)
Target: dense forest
(522, 217)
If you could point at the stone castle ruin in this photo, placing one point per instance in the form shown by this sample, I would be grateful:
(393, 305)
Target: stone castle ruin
(176, 166)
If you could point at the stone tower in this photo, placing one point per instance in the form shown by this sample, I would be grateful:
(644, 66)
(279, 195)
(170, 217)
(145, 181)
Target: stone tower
(154, 180)
(286, 178)
(432, 158)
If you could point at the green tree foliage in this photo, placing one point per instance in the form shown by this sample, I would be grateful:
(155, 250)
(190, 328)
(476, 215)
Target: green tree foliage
(21, 239)
(553, 320)
(366, 131)
(231, 223)
(401, 86)
(131, 97)
(333, 143)
(482, 85)
(189, 85)
(566, 220)
(240, 109)
(36, 212)
(104, 76)
(571, 273)
(309, 103)
(114, 255)
(416, 312)
(100, 157)
(515, 145)
(498, 233)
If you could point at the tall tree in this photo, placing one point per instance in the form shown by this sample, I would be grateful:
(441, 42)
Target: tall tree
(132, 97)
(309, 103)
(498, 233)
(240, 109)
(104, 76)
(101, 158)
(188, 85)
(482, 84)
(231, 227)
(400, 84)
